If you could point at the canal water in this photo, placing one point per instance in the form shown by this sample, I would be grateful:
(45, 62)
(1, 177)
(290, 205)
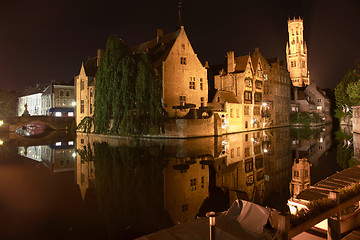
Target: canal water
(78, 186)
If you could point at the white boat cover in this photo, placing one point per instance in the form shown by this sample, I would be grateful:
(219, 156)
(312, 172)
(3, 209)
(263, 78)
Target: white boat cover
(250, 216)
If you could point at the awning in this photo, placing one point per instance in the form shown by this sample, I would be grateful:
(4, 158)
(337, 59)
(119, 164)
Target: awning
(62, 109)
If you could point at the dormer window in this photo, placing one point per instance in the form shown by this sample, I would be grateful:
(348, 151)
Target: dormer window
(183, 60)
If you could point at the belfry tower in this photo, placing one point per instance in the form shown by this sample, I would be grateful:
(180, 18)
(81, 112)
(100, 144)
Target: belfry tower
(296, 54)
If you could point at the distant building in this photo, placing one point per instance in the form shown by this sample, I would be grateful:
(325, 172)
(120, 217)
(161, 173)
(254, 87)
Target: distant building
(296, 54)
(300, 176)
(53, 99)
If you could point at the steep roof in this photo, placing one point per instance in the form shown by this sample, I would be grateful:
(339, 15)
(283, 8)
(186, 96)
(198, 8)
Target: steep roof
(255, 61)
(158, 49)
(91, 67)
(228, 96)
(241, 63)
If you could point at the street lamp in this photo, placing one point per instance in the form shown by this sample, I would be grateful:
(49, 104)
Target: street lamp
(211, 216)
(1, 122)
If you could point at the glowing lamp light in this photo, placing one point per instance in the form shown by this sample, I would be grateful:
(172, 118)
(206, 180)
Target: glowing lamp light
(321, 140)
(70, 143)
(74, 155)
(73, 103)
(57, 114)
(58, 144)
(70, 114)
(264, 104)
(265, 150)
(1, 142)
(1, 122)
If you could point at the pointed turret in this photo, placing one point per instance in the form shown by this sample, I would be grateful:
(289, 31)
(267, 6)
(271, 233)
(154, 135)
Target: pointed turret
(180, 23)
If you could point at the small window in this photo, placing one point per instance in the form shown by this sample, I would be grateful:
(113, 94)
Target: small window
(82, 106)
(231, 113)
(192, 83)
(82, 85)
(193, 184)
(91, 93)
(232, 153)
(247, 96)
(183, 60)
(201, 84)
(67, 93)
(61, 93)
(202, 101)
(246, 124)
(246, 110)
(238, 151)
(91, 106)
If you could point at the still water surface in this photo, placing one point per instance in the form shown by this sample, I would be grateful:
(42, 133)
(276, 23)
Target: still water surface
(64, 186)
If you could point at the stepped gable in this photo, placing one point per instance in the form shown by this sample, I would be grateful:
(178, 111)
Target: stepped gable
(158, 49)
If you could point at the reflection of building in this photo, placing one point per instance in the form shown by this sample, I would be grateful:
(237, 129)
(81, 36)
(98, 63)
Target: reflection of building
(58, 157)
(313, 146)
(186, 186)
(356, 119)
(356, 142)
(300, 176)
(85, 169)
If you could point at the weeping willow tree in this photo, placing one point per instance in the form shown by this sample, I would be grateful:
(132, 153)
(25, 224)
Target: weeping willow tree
(127, 92)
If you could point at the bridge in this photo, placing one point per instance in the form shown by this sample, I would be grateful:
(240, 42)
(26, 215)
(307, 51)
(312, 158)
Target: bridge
(10, 124)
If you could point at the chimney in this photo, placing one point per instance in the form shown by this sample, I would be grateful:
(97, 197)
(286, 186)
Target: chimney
(230, 62)
(100, 54)
(159, 34)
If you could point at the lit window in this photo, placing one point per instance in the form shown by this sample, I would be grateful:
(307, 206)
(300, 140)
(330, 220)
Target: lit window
(57, 114)
(192, 83)
(70, 114)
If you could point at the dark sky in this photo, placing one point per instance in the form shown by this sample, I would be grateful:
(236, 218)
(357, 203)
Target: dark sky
(44, 40)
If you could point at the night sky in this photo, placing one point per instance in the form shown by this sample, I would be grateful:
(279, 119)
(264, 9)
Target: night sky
(44, 40)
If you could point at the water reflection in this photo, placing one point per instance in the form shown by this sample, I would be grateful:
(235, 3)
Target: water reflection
(126, 188)
(58, 157)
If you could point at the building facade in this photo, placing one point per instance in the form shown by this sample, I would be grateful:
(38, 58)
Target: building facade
(296, 53)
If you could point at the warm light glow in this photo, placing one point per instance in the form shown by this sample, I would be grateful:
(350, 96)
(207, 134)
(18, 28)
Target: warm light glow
(70, 114)
(1, 142)
(70, 143)
(1, 122)
(73, 103)
(58, 144)
(57, 114)
(74, 155)
(321, 140)
(265, 150)
(264, 104)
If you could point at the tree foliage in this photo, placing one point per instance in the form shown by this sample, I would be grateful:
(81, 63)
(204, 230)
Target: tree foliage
(127, 92)
(8, 102)
(342, 97)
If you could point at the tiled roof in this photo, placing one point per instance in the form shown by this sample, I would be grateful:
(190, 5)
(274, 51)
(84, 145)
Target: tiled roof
(228, 97)
(241, 63)
(91, 67)
(158, 50)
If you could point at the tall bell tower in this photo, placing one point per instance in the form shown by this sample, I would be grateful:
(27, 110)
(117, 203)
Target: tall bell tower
(296, 54)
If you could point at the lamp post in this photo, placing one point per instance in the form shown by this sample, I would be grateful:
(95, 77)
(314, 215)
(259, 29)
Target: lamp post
(212, 216)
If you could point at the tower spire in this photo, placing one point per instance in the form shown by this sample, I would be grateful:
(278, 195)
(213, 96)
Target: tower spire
(180, 23)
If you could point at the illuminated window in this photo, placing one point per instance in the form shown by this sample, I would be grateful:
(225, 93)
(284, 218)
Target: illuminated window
(192, 83)
(183, 60)
(247, 96)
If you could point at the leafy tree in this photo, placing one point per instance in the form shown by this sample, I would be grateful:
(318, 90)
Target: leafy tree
(341, 96)
(353, 91)
(127, 92)
(8, 103)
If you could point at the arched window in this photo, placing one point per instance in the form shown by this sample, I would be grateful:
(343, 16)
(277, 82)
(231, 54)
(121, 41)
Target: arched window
(67, 93)
(61, 94)
(246, 124)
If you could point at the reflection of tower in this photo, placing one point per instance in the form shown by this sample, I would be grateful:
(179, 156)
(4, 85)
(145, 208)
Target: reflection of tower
(296, 54)
(300, 176)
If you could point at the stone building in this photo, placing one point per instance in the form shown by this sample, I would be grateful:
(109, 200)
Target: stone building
(58, 100)
(183, 76)
(300, 176)
(296, 53)
(55, 99)
(85, 87)
(242, 79)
